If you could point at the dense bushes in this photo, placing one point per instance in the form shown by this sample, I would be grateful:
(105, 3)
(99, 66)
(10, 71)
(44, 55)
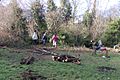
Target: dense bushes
(52, 20)
(112, 35)
(73, 40)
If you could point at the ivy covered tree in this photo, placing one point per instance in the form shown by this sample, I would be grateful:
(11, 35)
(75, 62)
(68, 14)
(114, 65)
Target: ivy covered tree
(51, 5)
(66, 9)
(88, 22)
(112, 35)
(87, 19)
(18, 27)
(38, 16)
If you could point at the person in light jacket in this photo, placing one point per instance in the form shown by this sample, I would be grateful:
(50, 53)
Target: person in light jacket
(35, 37)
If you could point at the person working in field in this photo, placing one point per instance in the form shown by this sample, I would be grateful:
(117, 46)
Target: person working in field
(100, 46)
(55, 39)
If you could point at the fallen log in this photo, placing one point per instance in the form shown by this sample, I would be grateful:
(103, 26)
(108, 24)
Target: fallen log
(43, 51)
(66, 58)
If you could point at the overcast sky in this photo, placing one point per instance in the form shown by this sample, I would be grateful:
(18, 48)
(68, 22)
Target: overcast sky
(82, 5)
(102, 3)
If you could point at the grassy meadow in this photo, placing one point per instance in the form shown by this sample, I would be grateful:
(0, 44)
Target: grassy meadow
(10, 69)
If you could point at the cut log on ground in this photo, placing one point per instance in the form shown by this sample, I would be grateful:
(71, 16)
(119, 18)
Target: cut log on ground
(43, 51)
(66, 58)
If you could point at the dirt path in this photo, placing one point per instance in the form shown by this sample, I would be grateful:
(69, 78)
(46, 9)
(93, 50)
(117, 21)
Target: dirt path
(40, 54)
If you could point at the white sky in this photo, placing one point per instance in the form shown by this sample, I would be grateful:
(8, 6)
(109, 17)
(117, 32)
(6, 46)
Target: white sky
(107, 4)
(103, 4)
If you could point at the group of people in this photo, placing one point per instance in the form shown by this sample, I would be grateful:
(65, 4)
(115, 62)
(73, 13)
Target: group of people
(95, 45)
(44, 38)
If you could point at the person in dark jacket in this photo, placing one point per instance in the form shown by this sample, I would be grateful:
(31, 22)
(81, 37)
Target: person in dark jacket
(44, 38)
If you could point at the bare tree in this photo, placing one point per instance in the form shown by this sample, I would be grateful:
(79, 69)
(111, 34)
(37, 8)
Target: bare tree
(75, 4)
(6, 19)
(54, 20)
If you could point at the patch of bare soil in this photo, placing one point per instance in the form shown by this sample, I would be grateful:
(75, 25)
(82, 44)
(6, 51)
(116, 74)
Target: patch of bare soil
(27, 60)
(37, 54)
(105, 69)
(31, 75)
(76, 49)
(44, 53)
(48, 54)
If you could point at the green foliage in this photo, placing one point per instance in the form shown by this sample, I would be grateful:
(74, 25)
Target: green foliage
(87, 19)
(39, 17)
(86, 41)
(74, 40)
(51, 5)
(63, 3)
(19, 29)
(67, 9)
(112, 35)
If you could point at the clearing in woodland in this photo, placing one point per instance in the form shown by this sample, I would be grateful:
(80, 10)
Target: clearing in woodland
(43, 68)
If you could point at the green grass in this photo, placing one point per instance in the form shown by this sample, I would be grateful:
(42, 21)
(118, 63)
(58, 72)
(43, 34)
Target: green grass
(10, 68)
